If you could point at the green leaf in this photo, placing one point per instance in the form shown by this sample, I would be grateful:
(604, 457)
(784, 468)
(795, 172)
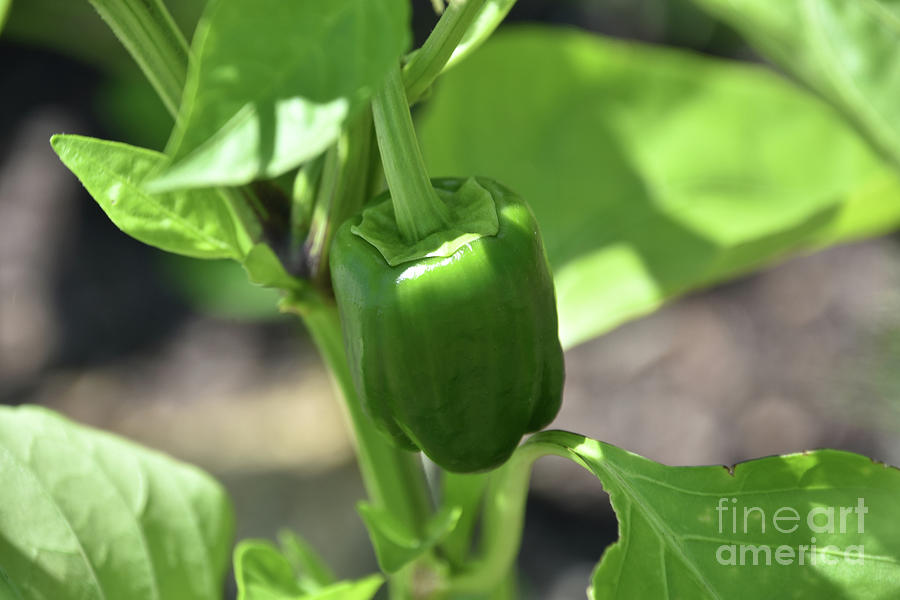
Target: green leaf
(264, 268)
(652, 172)
(219, 288)
(680, 527)
(199, 223)
(274, 81)
(86, 515)
(847, 51)
(4, 10)
(263, 573)
(312, 570)
(395, 545)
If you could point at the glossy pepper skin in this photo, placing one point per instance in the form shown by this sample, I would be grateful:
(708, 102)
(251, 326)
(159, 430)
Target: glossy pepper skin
(457, 356)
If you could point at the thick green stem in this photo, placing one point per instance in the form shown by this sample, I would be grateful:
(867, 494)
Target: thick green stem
(428, 61)
(503, 520)
(394, 478)
(417, 208)
(148, 32)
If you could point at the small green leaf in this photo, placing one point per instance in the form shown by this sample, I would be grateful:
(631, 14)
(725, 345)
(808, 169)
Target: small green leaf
(652, 171)
(715, 533)
(200, 223)
(395, 545)
(264, 268)
(263, 573)
(88, 516)
(259, 105)
(847, 51)
(312, 570)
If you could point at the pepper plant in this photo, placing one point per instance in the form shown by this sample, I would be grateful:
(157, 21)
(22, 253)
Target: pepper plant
(639, 173)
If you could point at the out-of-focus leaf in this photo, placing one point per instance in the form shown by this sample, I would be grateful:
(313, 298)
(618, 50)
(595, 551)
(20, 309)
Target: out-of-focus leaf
(87, 516)
(220, 288)
(651, 171)
(75, 29)
(847, 51)
(197, 223)
(4, 10)
(821, 524)
(273, 82)
(263, 573)
(313, 572)
(395, 545)
(130, 109)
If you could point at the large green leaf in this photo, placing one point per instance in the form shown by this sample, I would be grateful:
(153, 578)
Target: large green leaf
(85, 515)
(847, 51)
(196, 223)
(652, 171)
(717, 533)
(273, 82)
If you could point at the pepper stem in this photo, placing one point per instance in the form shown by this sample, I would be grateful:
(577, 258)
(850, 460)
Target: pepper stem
(417, 209)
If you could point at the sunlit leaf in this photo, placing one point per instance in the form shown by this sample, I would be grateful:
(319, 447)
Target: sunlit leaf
(652, 172)
(847, 51)
(4, 9)
(196, 223)
(85, 515)
(257, 105)
(820, 524)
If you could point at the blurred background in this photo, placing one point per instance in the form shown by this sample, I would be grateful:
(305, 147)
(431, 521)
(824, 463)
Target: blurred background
(186, 357)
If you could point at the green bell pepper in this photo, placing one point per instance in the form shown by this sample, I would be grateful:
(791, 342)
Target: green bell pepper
(452, 341)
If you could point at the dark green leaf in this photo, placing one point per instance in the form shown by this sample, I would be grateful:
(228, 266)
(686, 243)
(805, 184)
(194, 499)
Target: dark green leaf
(274, 81)
(199, 223)
(219, 288)
(652, 172)
(263, 573)
(395, 545)
(847, 51)
(680, 527)
(87, 516)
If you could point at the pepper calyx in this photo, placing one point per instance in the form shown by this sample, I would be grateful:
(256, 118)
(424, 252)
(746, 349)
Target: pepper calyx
(473, 216)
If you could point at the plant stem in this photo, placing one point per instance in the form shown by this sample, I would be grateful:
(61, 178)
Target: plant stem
(503, 520)
(342, 191)
(417, 208)
(429, 60)
(148, 32)
(393, 478)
